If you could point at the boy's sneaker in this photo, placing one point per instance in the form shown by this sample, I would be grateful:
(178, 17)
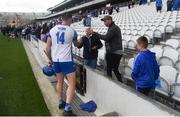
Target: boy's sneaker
(68, 113)
(62, 104)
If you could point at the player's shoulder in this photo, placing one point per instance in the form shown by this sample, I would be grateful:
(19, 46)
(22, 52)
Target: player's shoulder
(54, 28)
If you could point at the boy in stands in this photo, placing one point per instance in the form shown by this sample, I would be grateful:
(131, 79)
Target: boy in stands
(159, 5)
(146, 69)
(59, 47)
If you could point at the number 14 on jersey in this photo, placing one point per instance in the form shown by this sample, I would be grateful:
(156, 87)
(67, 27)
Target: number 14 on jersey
(60, 37)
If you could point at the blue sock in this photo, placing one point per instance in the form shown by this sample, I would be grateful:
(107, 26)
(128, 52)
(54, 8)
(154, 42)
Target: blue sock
(62, 103)
(68, 107)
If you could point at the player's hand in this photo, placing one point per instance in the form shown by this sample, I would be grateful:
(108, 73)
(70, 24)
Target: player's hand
(80, 40)
(50, 63)
(94, 48)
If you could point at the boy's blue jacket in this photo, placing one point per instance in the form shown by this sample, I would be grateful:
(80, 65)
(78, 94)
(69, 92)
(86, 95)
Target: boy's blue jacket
(158, 2)
(146, 69)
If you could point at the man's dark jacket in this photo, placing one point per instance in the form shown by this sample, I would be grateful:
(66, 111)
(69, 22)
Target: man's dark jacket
(113, 39)
(88, 52)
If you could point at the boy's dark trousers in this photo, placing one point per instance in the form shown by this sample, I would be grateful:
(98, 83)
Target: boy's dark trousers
(113, 61)
(144, 91)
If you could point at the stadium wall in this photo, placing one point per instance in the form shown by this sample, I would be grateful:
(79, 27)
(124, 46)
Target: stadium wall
(114, 97)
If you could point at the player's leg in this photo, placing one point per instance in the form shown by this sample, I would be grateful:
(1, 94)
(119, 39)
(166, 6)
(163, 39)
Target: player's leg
(59, 88)
(70, 94)
(71, 87)
(69, 69)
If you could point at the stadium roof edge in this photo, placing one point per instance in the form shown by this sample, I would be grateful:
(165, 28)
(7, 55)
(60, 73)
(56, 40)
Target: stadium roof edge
(58, 5)
(72, 9)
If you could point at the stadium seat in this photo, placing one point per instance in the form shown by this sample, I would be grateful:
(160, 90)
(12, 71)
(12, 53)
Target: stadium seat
(127, 72)
(176, 92)
(173, 42)
(131, 63)
(149, 35)
(131, 44)
(158, 51)
(169, 57)
(178, 49)
(177, 65)
(168, 76)
(128, 69)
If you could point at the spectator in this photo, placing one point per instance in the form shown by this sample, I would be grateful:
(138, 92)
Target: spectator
(38, 32)
(44, 32)
(146, 69)
(176, 5)
(148, 2)
(133, 3)
(28, 33)
(91, 44)
(33, 32)
(129, 5)
(169, 5)
(159, 5)
(110, 10)
(140, 2)
(117, 9)
(113, 43)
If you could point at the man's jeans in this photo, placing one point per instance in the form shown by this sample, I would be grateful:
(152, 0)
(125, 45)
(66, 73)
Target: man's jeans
(91, 63)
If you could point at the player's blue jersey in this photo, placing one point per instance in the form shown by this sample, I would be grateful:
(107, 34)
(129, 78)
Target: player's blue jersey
(62, 37)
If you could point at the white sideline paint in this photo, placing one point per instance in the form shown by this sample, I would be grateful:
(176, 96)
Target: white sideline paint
(111, 96)
(46, 87)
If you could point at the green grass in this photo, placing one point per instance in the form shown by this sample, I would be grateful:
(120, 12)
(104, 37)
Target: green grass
(19, 91)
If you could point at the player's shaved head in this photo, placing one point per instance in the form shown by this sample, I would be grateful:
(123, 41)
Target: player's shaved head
(67, 19)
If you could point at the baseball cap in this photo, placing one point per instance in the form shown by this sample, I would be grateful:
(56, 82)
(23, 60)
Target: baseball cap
(107, 17)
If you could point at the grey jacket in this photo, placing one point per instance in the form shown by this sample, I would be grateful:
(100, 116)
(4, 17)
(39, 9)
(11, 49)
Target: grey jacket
(113, 39)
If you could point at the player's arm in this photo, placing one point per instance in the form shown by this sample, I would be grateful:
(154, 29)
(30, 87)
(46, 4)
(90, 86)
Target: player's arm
(48, 49)
(76, 42)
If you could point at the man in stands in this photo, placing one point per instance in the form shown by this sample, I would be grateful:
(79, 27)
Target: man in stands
(113, 43)
(169, 5)
(159, 5)
(59, 47)
(146, 69)
(91, 44)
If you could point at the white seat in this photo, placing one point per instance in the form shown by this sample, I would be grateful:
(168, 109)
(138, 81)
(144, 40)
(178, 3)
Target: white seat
(176, 92)
(168, 76)
(131, 44)
(157, 33)
(149, 34)
(167, 47)
(170, 27)
(173, 42)
(169, 57)
(168, 73)
(178, 49)
(177, 65)
(125, 43)
(158, 51)
(127, 73)
(131, 63)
